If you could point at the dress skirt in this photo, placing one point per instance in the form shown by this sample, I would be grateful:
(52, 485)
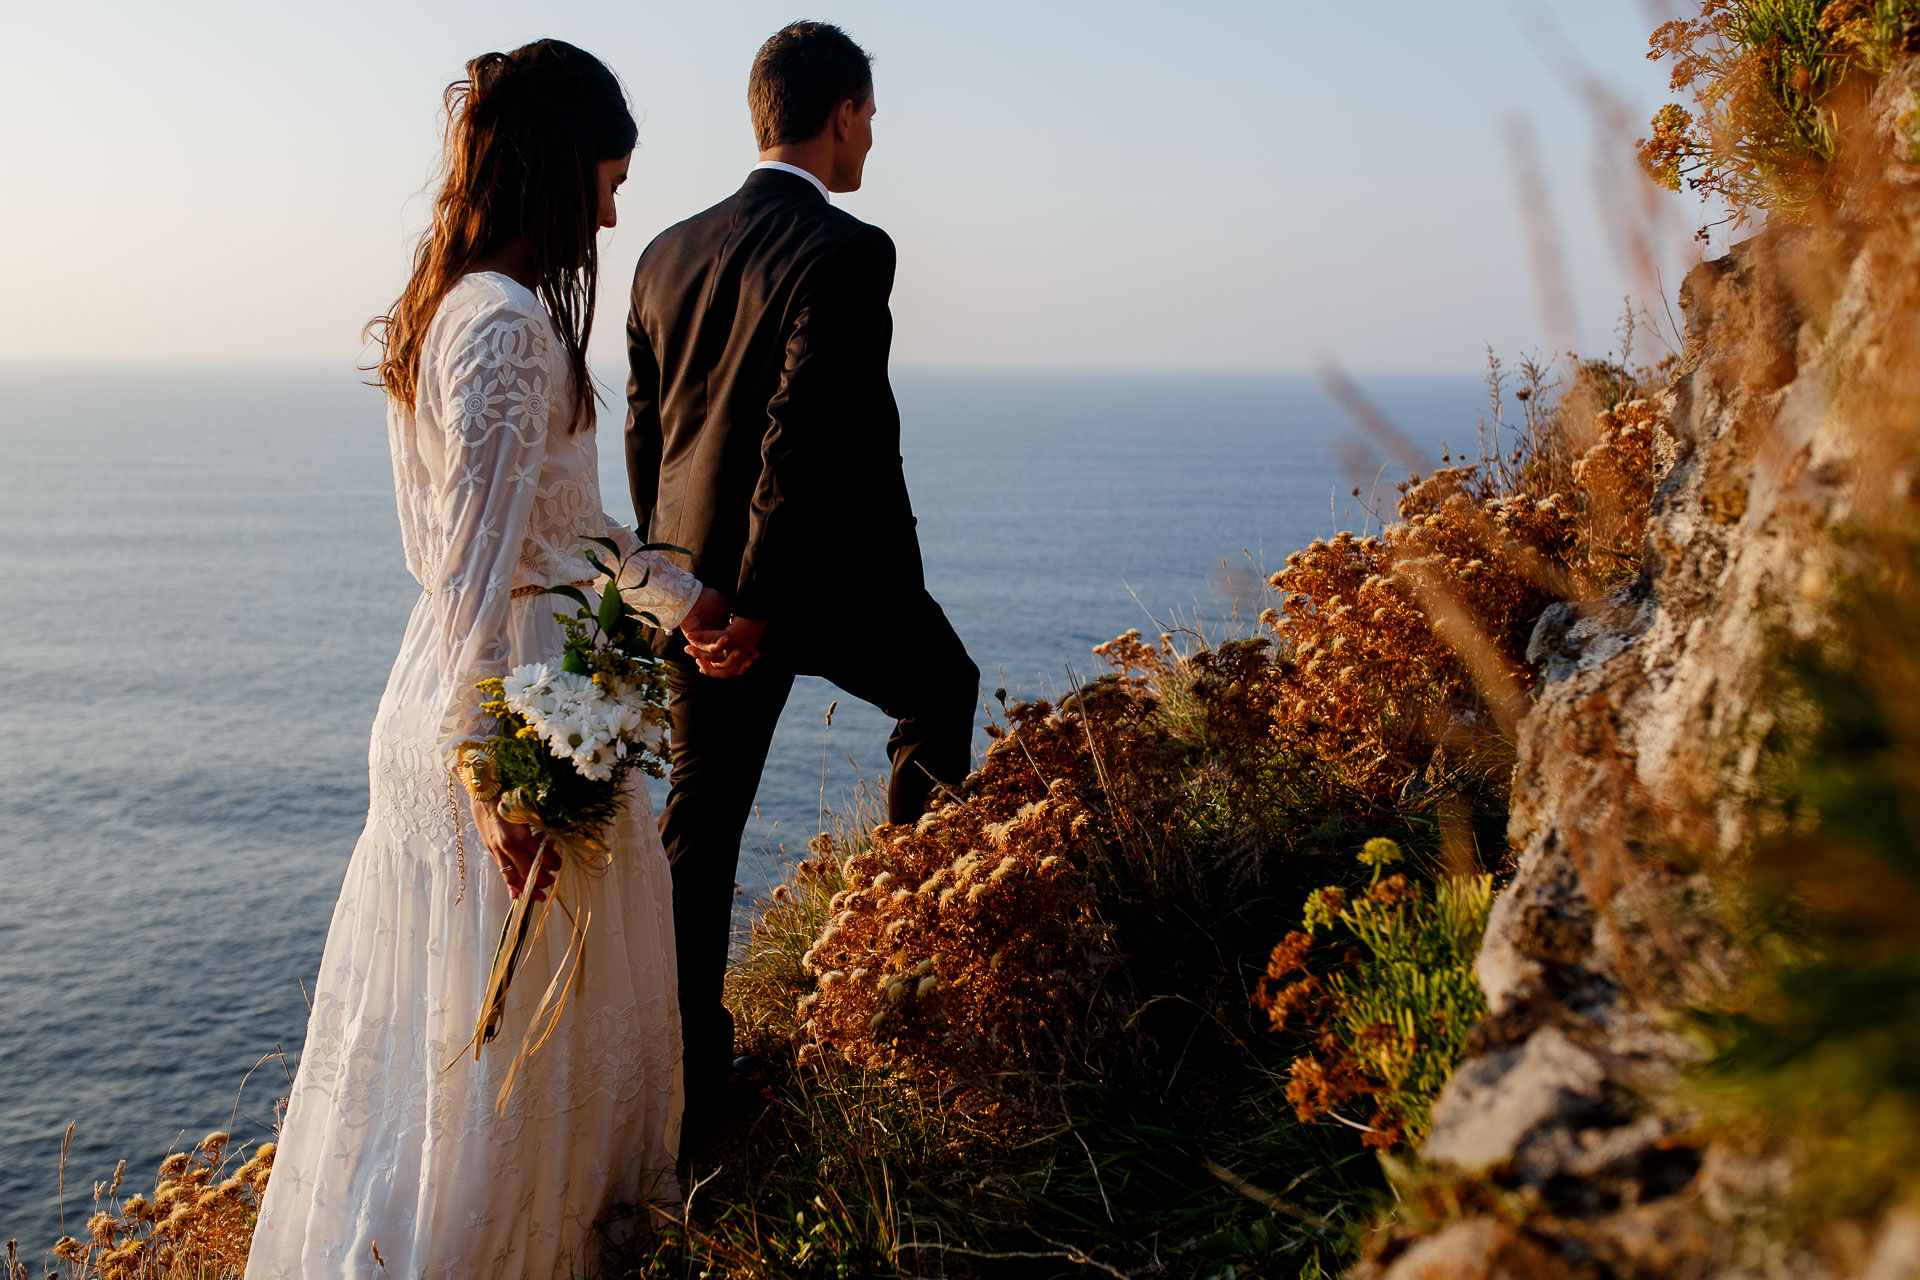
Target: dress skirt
(392, 1160)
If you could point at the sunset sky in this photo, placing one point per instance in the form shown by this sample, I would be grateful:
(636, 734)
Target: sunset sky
(1084, 183)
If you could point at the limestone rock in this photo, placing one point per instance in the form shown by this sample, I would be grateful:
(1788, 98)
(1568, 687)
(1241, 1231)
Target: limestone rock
(1479, 1249)
(1496, 1102)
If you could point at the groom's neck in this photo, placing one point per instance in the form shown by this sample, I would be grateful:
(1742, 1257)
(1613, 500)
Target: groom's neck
(811, 156)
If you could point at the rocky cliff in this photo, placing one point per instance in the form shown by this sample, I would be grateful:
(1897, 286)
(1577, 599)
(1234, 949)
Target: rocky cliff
(1565, 1144)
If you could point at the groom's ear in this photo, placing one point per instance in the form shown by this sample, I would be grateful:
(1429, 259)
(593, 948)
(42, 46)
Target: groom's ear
(843, 118)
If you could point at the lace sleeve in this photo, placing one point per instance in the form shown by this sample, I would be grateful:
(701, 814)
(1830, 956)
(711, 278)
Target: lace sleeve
(651, 582)
(493, 394)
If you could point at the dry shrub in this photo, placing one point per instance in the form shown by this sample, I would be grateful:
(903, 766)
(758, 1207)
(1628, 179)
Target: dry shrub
(964, 943)
(1617, 475)
(967, 951)
(1018, 935)
(1007, 940)
(1382, 656)
(1776, 84)
(1398, 646)
(197, 1224)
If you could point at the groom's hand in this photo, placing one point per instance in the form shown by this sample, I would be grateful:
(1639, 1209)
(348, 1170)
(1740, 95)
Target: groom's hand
(727, 652)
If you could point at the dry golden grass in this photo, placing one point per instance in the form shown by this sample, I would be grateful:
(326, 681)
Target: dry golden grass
(196, 1225)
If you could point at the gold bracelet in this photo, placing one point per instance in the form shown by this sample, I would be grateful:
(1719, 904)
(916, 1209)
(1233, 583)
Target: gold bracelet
(459, 839)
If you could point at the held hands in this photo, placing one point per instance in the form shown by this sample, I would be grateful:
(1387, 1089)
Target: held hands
(721, 644)
(725, 651)
(517, 851)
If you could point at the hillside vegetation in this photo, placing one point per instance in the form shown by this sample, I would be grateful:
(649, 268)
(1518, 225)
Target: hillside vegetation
(1532, 892)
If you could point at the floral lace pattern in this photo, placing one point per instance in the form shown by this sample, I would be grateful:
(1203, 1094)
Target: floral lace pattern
(392, 1160)
(492, 500)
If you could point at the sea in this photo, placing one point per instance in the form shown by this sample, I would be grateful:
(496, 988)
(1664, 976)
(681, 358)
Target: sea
(201, 592)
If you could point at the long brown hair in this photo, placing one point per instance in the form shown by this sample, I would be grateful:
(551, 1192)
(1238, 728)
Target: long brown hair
(525, 134)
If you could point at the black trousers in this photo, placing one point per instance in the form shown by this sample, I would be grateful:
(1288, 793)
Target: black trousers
(908, 662)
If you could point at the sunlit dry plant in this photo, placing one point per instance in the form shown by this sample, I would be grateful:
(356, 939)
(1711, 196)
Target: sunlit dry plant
(1397, 646)
(962, 947)
(992, 947)
(197, 1223)
(1775, 84)
(985, 950)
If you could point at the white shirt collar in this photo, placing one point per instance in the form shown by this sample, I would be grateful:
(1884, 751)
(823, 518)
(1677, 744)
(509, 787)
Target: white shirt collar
(797, 172)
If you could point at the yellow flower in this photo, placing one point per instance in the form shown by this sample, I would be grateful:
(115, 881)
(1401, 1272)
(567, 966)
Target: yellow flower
(1380, 852)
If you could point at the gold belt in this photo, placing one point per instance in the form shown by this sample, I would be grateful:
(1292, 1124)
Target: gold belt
(534, 591)
(517, 592)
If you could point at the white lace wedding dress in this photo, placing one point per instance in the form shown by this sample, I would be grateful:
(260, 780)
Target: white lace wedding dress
(392, 1161)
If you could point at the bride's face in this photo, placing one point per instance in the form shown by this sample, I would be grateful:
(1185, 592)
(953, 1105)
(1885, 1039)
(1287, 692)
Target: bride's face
(612, 174)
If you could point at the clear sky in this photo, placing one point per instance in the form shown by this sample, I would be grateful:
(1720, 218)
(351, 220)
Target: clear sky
(1090, 182)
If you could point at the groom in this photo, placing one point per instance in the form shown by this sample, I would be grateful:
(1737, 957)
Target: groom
(762, 436)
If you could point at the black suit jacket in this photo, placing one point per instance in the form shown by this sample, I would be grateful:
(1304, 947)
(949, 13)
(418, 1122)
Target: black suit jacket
(762, 434)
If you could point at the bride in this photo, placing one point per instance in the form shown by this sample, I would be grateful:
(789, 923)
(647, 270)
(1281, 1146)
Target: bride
(392, 1159)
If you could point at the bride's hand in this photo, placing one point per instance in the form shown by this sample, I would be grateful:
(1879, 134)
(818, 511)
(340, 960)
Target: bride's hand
(709, 612)
(516, 849)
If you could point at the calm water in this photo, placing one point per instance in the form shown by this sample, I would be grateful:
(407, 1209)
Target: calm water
(203, 592)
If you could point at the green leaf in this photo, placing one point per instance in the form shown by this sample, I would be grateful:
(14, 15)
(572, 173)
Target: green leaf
(575, 661)
(612, 607)
(665, 546)
(594, 560)
(574, 594)
(608, 543)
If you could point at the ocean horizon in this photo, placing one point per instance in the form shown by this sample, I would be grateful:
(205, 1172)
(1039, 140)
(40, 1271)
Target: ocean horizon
(206, 593)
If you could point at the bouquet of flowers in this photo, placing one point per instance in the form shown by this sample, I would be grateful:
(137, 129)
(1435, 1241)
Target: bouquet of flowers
(566, 738)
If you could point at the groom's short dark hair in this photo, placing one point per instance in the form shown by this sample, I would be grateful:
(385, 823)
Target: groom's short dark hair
(799, 76)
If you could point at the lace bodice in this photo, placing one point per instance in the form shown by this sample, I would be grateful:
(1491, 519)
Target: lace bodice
(495, 492)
